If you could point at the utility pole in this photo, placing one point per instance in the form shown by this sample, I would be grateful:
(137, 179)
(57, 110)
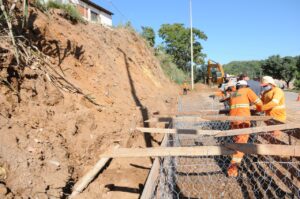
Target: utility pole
(192, 50)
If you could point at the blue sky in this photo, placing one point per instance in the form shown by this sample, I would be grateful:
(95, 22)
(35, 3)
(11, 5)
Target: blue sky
(236, 29)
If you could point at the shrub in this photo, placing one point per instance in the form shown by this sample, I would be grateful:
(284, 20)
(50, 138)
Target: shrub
(69, 11)
(55, 5)
(72, 13)
(40, 4)
(170, 69)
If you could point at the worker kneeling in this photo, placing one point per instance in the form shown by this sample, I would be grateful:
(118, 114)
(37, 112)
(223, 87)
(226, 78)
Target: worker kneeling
(240, 101)
(273, 102)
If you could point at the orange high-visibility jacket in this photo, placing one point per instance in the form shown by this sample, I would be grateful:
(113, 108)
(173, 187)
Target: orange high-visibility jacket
(185, 85)
(240, 102)
(274, 104)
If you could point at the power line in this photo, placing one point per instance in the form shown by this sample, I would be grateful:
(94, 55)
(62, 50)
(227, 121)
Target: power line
(117, 9)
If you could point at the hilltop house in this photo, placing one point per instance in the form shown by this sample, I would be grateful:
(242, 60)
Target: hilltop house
(91, 11)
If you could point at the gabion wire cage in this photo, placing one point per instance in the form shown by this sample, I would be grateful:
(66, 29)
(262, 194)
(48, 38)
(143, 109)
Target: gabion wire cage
(206, 176)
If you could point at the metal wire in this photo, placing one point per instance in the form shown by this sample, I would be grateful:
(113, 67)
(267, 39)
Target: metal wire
(206, 176)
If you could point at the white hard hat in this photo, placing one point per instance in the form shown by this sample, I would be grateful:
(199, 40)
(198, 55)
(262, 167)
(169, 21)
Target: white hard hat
(229, 84)
(268, 80)
(242, 83)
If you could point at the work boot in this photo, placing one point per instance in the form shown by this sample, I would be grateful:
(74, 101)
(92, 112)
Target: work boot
(233, 170)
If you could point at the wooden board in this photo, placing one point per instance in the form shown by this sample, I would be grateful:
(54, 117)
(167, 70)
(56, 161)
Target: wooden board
(178, 131)
(257, 129)
(228, 149)
(237, 118)
(202, 112)
(266, 149)
(167, 151)
(218, 133)
(208, 118)
(153, 175)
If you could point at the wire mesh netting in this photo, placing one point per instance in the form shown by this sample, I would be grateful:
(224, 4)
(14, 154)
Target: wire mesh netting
(206, 176)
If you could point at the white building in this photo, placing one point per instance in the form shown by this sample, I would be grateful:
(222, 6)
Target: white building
(91, 11)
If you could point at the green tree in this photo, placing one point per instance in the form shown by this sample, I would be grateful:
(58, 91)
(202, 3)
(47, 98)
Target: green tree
(177, 43)
(252, 68)
(297, 81)
(280, 68)
(148, 34)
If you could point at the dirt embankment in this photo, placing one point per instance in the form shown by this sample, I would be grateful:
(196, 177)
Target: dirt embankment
(50, 137)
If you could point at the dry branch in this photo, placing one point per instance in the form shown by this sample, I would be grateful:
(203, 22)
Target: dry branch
(9, 25)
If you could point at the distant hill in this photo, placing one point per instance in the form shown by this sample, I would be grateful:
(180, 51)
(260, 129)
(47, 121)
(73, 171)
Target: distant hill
(252, 68)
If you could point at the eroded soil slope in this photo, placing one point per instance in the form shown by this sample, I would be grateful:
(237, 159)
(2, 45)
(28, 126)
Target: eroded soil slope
(50, 137)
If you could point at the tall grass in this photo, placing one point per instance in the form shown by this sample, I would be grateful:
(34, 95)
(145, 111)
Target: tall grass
(70, 11)
(170, 69)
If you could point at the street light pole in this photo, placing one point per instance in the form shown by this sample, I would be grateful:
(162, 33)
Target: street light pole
(192, 50)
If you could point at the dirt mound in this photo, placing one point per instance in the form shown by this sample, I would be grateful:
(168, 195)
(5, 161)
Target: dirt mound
(51, 137)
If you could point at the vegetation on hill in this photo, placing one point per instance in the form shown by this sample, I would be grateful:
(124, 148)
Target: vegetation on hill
(174, 54)
(252, 68)
(69, 11)
(284, 68)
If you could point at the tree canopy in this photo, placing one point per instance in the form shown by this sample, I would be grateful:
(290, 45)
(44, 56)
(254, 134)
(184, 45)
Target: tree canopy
(297, 81)
(281, 68)
(252, 68)
(148, 34)
(177, 43)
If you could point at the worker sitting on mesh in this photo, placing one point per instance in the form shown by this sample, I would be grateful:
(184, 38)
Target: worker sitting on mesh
(273, 102)
(240, 101)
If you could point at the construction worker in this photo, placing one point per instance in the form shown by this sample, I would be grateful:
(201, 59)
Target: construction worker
(273, 101)
(228, 90)
(240, 102)
(253, 84)
(185, 87)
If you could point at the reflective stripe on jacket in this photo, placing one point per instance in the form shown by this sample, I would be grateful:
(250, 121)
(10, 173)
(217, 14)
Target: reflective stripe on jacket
(274, 104)
(240, 102)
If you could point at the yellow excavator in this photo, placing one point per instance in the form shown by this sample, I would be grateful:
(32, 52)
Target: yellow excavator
(215, 73)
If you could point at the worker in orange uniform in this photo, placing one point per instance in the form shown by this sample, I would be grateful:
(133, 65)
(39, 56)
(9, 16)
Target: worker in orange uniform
(228, 90)
(273, 101)
(185, 87)
(240, 102)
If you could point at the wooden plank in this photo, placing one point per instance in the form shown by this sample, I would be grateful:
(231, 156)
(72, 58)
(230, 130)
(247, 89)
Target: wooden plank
(227, 149)
(257, 129)
(88, 177)
(193, 118)
(178, 131)
(266, 149)
(202, 112)
(218, 133)
(177, 119)
(237, 118)
(167, 151)
(153, 175)
(159, 119)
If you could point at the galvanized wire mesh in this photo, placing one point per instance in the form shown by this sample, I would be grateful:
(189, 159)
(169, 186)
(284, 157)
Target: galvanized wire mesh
(206, 176)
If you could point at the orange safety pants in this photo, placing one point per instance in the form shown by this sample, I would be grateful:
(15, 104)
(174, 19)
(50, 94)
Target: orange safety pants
(241, 139)
(276, 133)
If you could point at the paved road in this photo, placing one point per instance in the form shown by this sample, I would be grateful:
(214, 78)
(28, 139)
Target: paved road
(293, 106)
